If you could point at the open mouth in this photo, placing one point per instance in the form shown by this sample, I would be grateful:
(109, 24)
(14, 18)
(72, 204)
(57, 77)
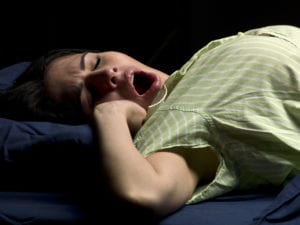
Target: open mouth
(142, 82)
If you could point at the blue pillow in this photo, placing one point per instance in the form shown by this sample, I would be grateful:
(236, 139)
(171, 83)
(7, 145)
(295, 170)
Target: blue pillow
(9, 74)
(23, 138)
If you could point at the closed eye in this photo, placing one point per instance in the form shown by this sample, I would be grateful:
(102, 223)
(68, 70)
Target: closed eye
(97, 63)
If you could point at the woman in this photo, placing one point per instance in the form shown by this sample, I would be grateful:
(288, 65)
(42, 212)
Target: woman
(227, 120)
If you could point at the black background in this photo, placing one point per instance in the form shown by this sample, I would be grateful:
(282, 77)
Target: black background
(161, 33)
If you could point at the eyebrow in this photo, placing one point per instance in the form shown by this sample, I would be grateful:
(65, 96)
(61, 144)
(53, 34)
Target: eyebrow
(82, 61)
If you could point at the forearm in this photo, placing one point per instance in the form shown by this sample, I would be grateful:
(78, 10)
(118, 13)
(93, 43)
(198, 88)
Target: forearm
(128, 172)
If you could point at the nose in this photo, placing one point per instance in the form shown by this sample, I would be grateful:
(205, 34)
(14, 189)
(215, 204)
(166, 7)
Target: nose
(103, 80)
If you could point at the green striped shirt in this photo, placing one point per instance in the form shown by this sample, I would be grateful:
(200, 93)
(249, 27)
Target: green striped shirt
(240, 96)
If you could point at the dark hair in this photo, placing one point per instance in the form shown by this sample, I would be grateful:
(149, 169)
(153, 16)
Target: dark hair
(27, 99)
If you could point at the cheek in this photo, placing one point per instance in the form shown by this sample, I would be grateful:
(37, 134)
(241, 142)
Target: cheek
(86, 105)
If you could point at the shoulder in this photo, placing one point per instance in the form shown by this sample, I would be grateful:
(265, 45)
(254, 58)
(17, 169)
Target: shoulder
(289, 33)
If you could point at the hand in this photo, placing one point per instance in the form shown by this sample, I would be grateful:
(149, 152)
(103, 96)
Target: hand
(133, 113)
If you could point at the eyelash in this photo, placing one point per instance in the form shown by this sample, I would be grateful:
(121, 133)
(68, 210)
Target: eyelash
(97, 63)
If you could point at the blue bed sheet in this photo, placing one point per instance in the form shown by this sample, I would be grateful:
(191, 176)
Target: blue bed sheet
(244, 209)
(285, 209)
(231, 210)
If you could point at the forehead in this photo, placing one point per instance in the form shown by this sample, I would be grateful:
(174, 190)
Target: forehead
(69, 64)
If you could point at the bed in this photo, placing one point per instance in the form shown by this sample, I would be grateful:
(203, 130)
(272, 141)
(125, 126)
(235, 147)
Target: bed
(49, 175)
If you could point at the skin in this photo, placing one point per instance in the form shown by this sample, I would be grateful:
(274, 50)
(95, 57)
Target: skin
(161, 182)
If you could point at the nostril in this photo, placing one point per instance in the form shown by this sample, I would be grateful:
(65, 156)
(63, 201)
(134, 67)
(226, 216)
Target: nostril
(115, 69)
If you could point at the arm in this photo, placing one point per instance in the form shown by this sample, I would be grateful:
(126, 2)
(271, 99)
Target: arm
(162, 182)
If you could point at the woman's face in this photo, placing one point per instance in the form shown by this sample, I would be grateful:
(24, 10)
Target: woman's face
(93, 78)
